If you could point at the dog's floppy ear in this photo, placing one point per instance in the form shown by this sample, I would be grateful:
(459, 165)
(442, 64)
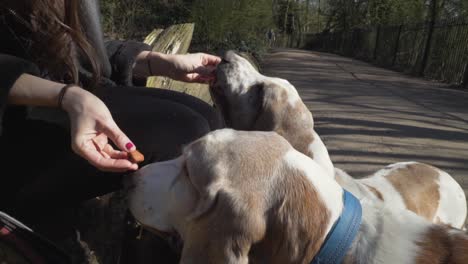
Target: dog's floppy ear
(272, 107)
(206, 175)
(222, 226)
(216, 250)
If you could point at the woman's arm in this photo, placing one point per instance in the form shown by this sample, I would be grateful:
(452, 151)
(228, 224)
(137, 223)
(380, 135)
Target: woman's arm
(91, 122)
(197, 67)
(35, 91)
(132, 60)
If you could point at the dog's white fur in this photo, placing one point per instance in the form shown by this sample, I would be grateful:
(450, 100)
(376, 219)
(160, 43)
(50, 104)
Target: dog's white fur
(252, 101)
(248, 197)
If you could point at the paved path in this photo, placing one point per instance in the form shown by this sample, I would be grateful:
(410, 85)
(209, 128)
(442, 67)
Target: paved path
(370, 117)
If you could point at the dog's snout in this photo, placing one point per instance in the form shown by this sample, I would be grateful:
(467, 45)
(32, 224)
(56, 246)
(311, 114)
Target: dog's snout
(228, 56)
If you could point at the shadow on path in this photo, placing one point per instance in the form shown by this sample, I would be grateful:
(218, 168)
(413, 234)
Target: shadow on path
(370, 117)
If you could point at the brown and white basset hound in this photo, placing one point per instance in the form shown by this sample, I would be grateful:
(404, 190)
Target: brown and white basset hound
(250, 197)
(251, 101)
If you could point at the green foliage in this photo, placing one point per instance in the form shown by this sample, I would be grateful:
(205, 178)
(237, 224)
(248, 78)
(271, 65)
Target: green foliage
(220, 24)
(243, 24)
(347, 14)
(133, 19)
(226, 24)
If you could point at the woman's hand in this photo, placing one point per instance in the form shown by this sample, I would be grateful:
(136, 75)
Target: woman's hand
(197, 67)
(91, 127)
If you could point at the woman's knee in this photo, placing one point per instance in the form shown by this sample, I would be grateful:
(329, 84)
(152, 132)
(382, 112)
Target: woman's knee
(120, 96)
(169, 142)
(162, 129)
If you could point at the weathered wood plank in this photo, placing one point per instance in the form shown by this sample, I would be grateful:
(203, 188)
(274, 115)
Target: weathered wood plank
(153, 36)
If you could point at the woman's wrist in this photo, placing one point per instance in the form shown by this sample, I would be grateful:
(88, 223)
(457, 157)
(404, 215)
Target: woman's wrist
(35, 91)
(74, 98)
(150, 63)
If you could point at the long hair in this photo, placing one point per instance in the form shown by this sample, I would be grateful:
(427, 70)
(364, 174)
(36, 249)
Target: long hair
(56, 37)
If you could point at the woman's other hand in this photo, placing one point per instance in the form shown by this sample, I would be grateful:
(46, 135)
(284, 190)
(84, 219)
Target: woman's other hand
(91, 128)
(196, 67)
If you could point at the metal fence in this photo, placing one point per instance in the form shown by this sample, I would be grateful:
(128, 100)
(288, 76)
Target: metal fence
(437, 51)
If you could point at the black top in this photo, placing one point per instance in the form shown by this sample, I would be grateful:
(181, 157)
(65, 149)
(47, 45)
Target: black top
(116, 57)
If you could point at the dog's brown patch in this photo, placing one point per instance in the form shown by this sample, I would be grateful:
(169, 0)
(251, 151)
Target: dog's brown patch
(285, 119)
(296, 231)
(434, 247)
(459, 248)
(375, 192)
(417, 184)
(440, 246)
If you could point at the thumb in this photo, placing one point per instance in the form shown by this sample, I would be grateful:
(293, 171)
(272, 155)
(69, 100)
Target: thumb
(118, 137)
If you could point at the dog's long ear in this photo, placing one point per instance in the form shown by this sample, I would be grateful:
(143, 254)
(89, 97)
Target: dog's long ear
(271, 112)
(200, 250)
(214, 228)
(206, 175)
(227, 217)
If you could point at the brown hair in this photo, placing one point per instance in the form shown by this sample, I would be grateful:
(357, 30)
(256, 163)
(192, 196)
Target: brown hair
(55, 31)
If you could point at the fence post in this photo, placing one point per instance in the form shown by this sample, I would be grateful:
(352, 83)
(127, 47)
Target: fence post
(427, 49)
(397, 45)
(465, 78)
(429, 38)
(376, 42)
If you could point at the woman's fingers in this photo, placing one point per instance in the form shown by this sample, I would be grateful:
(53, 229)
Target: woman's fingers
(115, 154)
(210, 60)
(118, 137)
(110, 164)
(100, 141)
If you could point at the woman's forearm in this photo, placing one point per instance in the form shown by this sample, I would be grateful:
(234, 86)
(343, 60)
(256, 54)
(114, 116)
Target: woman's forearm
(150, 63)
(35, 91)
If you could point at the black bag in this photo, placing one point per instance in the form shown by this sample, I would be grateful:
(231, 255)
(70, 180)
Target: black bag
(20, 244)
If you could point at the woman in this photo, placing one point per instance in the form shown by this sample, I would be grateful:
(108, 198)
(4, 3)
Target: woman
(49, 44)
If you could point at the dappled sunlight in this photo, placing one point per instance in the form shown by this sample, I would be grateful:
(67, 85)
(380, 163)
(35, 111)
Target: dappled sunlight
(370, 117)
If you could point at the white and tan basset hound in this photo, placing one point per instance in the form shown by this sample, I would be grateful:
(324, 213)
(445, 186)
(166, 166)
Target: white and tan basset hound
(249, 197)
(251, 101)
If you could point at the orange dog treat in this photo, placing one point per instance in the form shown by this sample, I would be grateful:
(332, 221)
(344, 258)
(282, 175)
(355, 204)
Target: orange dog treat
(136, 156)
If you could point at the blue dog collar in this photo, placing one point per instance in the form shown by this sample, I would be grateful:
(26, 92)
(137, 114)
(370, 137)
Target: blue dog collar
(342, 234)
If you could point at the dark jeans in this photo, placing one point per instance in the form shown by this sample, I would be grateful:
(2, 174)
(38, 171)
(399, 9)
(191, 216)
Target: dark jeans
(41, 173)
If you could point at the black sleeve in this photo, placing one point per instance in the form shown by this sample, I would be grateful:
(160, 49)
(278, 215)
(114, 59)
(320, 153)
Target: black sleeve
(11, 68)
(122, 56)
